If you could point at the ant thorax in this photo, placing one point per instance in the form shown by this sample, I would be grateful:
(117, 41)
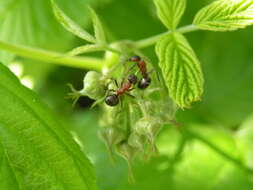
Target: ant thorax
(125, 87)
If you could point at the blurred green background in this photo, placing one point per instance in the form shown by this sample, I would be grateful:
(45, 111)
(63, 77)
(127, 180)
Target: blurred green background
(224, 117)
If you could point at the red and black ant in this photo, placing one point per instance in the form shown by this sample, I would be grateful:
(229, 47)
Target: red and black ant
(113, 99)
(145, 80)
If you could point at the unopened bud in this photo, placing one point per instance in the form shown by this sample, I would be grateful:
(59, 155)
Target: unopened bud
(112, 136)
(93, 86)
(128, 153)
(137, 141)
(149, 127)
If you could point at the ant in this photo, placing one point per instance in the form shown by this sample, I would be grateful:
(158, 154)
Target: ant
(113, 99)
(145, 80)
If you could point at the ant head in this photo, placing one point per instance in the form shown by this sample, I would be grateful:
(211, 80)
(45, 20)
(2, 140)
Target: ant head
(135, 58)
(144, 83)
(132, 79)
(112, 100)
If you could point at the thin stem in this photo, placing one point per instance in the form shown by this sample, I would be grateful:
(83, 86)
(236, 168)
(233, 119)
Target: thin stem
(108, 48)
(180, 149)
(53, 57)
(219, 151)
(81, 62)
(152, 40)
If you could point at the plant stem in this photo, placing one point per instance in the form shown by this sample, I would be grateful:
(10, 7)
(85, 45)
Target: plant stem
(90, 63)
(112, 50)
(53, 57)
(152, 40)
(219, 151)
(180, 149)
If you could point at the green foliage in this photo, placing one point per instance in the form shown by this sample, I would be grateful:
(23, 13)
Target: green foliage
(98, 28)
(225, 15)
(195, 170)
(70, 25)
(225, 92)
(183, 163)
(36, 152)
(244, 137)
(86, 49)
(32, 23)
(170, 12)
(210, 149)
(99, 40)
(181, 69)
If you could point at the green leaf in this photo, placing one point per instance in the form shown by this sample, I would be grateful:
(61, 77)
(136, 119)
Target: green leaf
(197, 167)
(98, 27)
(181, 69)
(170, 12)
(225, 15)
(70, 25)
(203, 167)
(36, 151)
(32, 23)
(86, 49)
(244, 137)
(228, 77)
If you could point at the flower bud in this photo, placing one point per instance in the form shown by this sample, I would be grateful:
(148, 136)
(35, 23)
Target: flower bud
(137, 141)
(93, 86)
(112, 136)
(128, 153)
(149, 127)
(112, 117)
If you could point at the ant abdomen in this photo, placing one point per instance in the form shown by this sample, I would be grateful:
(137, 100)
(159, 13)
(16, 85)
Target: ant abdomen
(144, 83)
(112, 100)
(132, 79)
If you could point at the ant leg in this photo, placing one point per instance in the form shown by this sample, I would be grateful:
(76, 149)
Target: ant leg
(122, 81)
(116, 83)
(157, 75)
(110, 90)
(121, 107)
(98, 102)
(125, 73)
(151, 71)
(121, 104)
(101, 99)
(130, 95)
(132, 67)
(131, 89)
